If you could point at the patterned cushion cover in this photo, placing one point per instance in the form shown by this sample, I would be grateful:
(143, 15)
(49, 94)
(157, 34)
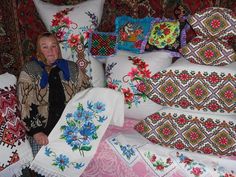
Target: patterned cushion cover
(72, 25)
(208, 52)
(132, 33)
(214, 27)
(123, 72)
(214, 21)
(194, 87)
(167, 34)
(204, 133)
(102, 44)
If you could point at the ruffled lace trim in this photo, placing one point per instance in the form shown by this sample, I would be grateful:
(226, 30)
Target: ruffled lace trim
(16, 168)
(43, 171)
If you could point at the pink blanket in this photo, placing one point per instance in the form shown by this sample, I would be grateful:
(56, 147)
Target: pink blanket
(107, 162)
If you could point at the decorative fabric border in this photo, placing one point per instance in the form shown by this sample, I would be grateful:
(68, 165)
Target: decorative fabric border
(210, 92)
(190, 132)
(15, 151)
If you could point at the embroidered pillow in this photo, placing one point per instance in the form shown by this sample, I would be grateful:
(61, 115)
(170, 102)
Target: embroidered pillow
(132, 33)
(169, 35)
(196, 88)
(102, 44)
(204, 133)
(213, 26)
(123, 73)
(72, 25)
(214, 21)
(207, 51)
(15, 152)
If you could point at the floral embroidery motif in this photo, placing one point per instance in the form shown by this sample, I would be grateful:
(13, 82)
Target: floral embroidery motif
(127, 150)
(62, 161)
(222, 172)
(138, 73)
(81, 128)
(158, 163)
(195, 168)
(79, 131)
(64, 28)
(164, 33)
(132, 32)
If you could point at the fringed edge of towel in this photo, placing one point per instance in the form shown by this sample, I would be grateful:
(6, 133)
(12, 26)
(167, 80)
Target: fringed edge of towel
(42, 171)
(16, 168)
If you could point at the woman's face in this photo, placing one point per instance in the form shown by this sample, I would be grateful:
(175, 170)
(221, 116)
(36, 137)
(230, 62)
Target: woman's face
(49, 48)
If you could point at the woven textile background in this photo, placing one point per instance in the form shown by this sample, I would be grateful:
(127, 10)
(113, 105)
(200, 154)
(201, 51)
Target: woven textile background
(20, 23)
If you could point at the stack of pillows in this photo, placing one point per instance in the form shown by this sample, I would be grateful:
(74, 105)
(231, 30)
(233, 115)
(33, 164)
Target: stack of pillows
(138, 57)
(198, 90)
(75, 25)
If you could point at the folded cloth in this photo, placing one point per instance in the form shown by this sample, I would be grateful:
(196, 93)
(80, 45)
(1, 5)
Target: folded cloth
(15, 150)
(75, 138)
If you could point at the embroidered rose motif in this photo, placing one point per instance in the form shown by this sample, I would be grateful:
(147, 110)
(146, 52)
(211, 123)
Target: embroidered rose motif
(133, 92)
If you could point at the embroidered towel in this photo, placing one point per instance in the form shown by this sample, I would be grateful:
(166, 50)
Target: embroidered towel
(15, 150)
(74, 140)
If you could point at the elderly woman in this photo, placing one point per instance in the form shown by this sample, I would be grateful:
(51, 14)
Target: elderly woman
(45, 85)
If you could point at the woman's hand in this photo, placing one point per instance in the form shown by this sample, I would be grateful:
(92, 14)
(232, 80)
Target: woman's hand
(41, 138)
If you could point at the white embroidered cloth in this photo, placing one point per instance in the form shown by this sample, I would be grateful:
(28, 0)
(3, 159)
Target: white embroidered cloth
(164, 161)
(15, 150)
(74, 140)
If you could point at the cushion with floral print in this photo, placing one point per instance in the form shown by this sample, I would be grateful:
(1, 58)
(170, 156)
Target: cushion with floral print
(123, 73)
(167, 35)
(102, 44)
(132, 33)
(215, 22)
(207, 51)
(183, 130)
(193, 87)
(72, 25)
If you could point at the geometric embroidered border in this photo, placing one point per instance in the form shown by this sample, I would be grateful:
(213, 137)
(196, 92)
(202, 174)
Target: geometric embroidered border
(102, 44)
(206, 51)
(214, 21)
(12, 131)
(201, 91)
(187, 132)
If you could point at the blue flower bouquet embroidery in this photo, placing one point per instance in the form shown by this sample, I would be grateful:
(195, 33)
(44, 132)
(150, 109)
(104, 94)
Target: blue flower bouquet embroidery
(78, 132)
(81, 129)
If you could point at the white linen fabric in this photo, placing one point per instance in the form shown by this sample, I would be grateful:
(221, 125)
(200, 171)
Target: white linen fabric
(77, 20)
(164, 161)
(15, 150)
(120, 70)
(74, 140)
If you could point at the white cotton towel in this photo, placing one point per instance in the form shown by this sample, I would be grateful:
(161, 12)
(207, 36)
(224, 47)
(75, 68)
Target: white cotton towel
(15, 150)
(74, 140)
